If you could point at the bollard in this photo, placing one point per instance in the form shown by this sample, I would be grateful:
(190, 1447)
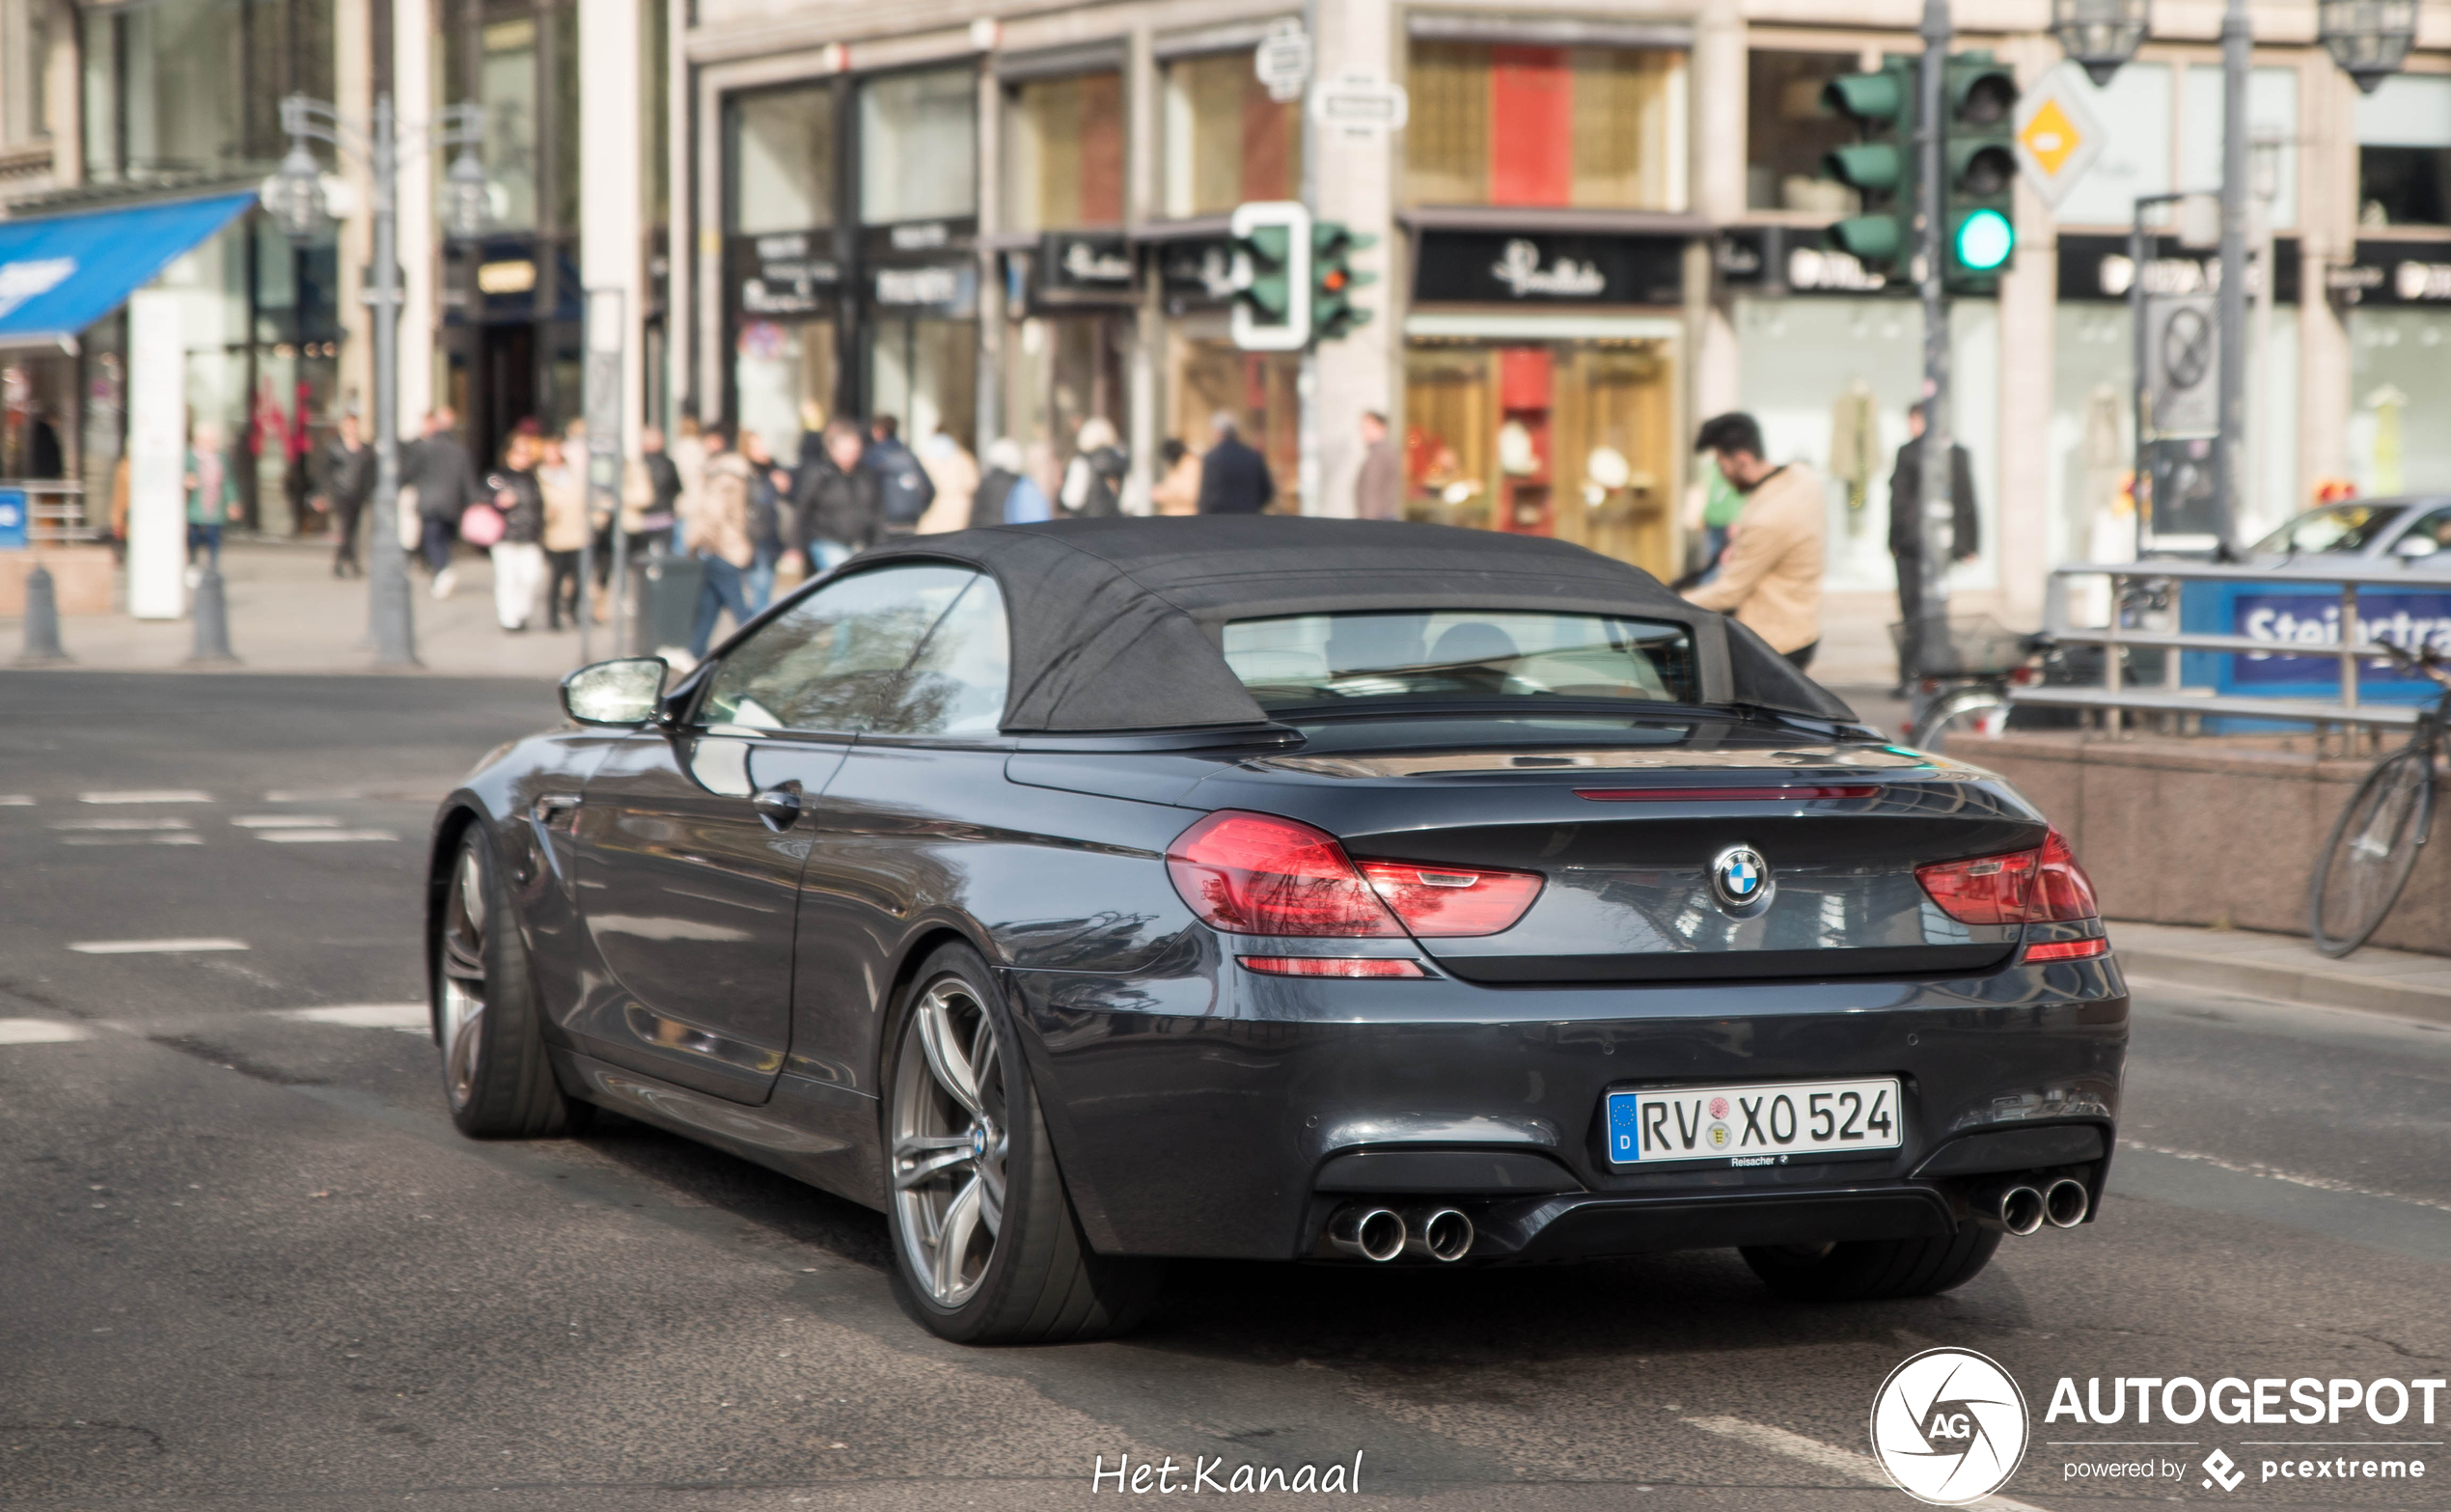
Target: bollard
(211, 611)
(41, 620)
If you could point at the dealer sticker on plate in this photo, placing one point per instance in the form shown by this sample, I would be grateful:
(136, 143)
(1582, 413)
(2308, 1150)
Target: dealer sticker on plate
(1766, 1125)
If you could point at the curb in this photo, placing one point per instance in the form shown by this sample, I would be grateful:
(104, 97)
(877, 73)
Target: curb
(2295, 984)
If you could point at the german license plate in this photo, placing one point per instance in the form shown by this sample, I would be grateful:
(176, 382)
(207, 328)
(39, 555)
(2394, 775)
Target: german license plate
(1762, 1125)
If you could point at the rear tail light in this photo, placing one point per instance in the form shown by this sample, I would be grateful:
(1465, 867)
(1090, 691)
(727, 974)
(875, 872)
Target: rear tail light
(1331, 966)
(2023, 887)
(1257, 873)
(1445, 903)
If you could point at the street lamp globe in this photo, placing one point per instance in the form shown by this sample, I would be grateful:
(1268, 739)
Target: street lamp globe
(2369, 39)
(293, 196)
(467, 199)
(2100, 34)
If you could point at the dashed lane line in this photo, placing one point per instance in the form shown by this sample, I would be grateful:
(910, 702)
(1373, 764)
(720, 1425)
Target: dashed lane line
(172, 837)
(40, 1032)
(284, 821)
(1826, 1456)
(148, 795)
(17, 800)
(322, 836)
(173, 947)
(413, 1018)
(150, 822)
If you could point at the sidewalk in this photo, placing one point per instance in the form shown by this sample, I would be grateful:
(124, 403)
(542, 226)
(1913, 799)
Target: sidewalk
(289, 614)
(2375, 980)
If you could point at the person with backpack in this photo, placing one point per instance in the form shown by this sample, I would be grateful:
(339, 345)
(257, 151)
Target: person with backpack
(837, 508)
(904, 488)
(1093, 481)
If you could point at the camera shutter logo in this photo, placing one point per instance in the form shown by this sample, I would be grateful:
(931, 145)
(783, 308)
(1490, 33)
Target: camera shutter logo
(1949, 1426)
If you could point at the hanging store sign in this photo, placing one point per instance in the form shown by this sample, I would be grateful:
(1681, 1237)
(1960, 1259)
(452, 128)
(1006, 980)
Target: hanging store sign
(784, 277)
(940, 288)
(1534, 268)
(2098, 268)
(1195, 273)
(1081, 267)
(2393, 273)
(1792, 259)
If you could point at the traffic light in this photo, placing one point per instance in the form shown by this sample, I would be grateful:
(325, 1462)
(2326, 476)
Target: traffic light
(1880, 168)
(1272, 275)
(1333, 279)
(1978, 221)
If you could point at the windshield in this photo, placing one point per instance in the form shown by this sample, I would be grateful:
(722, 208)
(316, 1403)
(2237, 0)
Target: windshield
(1446, 655)
(2334, 528)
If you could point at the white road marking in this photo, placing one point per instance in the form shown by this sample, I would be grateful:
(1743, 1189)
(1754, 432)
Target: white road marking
(2319, 1183)
(1827, 1456)
(312, 794)
(148, 795)
(162, 823)
(409, 1017)
(40, 1032)
(284, 821)
(181, 946)
(179, 837)
(311, 836)
(16, 801)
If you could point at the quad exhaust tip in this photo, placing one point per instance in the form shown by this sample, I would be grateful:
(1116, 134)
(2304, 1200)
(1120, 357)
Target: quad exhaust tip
(2066, 1201)
(1437, 1233)
(1370, 1233)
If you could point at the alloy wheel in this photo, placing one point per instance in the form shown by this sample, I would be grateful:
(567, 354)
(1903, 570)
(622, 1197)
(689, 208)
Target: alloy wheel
(463, 946)
(951, 1137)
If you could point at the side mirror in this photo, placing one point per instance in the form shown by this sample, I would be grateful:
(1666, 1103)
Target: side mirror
(621, 692)
(2413, 546)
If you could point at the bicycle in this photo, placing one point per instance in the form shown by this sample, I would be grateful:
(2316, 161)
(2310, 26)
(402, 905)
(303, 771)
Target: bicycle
(1970, 696)
(2373, 846)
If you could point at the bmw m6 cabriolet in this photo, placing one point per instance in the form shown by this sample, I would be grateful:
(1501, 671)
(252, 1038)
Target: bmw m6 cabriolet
(1089, 894)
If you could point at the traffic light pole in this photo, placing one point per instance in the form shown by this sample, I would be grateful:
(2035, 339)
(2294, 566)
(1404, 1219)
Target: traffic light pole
(1306, 474)
(1928, 637)
(2230, 299)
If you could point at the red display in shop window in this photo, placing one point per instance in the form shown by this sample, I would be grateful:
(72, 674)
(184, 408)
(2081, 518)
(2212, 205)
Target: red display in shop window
(1526, 387)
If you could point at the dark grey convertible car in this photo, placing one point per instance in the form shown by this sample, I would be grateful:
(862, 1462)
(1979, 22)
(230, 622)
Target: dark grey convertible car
(1087, 893)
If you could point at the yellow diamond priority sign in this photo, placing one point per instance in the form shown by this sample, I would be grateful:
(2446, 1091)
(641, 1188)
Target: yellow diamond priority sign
(2057, 137)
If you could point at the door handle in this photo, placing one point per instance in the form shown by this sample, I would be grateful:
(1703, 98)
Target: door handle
(557, 811)
(779, 805)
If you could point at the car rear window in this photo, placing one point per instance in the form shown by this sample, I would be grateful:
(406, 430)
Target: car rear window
(2340, 528)
(1451, 655)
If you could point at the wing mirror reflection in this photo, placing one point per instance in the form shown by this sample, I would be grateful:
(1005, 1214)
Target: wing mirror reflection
(623, 692)
(2413, 546)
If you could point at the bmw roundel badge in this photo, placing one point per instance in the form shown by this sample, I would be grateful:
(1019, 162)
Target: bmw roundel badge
(1740, 878)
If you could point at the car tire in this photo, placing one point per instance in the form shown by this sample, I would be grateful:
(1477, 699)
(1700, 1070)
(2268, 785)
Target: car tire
(1870, 1270)
(496, 1079)
(968, 1163)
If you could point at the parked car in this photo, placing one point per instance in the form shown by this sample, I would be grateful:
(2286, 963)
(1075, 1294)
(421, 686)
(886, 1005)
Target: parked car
(2414, 530)
(1088, 894)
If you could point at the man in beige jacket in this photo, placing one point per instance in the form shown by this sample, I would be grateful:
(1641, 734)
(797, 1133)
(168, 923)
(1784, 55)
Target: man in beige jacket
(715, 530)
(1770, 578)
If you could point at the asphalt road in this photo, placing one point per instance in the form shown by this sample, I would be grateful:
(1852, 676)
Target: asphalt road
(246, 1262)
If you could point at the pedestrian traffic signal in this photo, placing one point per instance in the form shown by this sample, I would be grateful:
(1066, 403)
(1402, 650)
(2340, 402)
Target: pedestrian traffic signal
(1333, 279)
(1980, 194)
(1271, 276)
(1881, 167)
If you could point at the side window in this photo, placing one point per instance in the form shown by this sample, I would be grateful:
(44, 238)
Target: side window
(956, 684)
(830, 663)
(2435, 526)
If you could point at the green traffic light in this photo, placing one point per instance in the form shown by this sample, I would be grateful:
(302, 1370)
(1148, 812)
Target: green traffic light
(1985, 239)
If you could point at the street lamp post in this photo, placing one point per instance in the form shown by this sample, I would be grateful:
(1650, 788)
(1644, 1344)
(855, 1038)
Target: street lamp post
(294, 197)
(2369, 39)
(2097, 36)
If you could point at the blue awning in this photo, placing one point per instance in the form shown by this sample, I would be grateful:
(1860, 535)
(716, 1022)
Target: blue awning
(61, 273)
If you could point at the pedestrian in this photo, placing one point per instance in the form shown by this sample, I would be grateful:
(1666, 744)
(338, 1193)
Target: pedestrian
(1233, 477)
(1378, 490)
(1906, 533)
(1092, 480)
(519, 556)
(345, 479)
(1178, 491)
(438, 468)
(561, 480)
(664, 484)
(955, 474)
(715, 530)
(840, 511)
(902, 487)
(1769, 581)
(1715, 505)
(769, 496)
(213, 497)
(45, 459)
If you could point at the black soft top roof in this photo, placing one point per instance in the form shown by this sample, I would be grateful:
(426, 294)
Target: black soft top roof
(1115, 623)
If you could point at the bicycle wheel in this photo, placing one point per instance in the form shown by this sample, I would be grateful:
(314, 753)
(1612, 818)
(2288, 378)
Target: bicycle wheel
(2372, 850)
(1976, 713)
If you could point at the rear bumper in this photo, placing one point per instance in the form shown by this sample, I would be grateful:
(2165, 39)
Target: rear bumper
(1201, 1110)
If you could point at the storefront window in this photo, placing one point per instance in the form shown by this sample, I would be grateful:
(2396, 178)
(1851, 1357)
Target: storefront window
(1225, 140)
(925, 372)
(1788, 132)
(1587, 126)
(1063, 152)
(2404, 152)
(1059, 371)
(1210, 377)
(2272, 116)
(782, 161)
(194, 86)
(2400, 377)
(24, 45)
(919, 147)
(784, 374)
(507, 89)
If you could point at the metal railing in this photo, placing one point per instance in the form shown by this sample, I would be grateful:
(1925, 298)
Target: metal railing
(55, 510)
(2116, 698)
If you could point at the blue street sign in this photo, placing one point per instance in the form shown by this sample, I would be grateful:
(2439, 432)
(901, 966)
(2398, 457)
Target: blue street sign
(12, 519)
